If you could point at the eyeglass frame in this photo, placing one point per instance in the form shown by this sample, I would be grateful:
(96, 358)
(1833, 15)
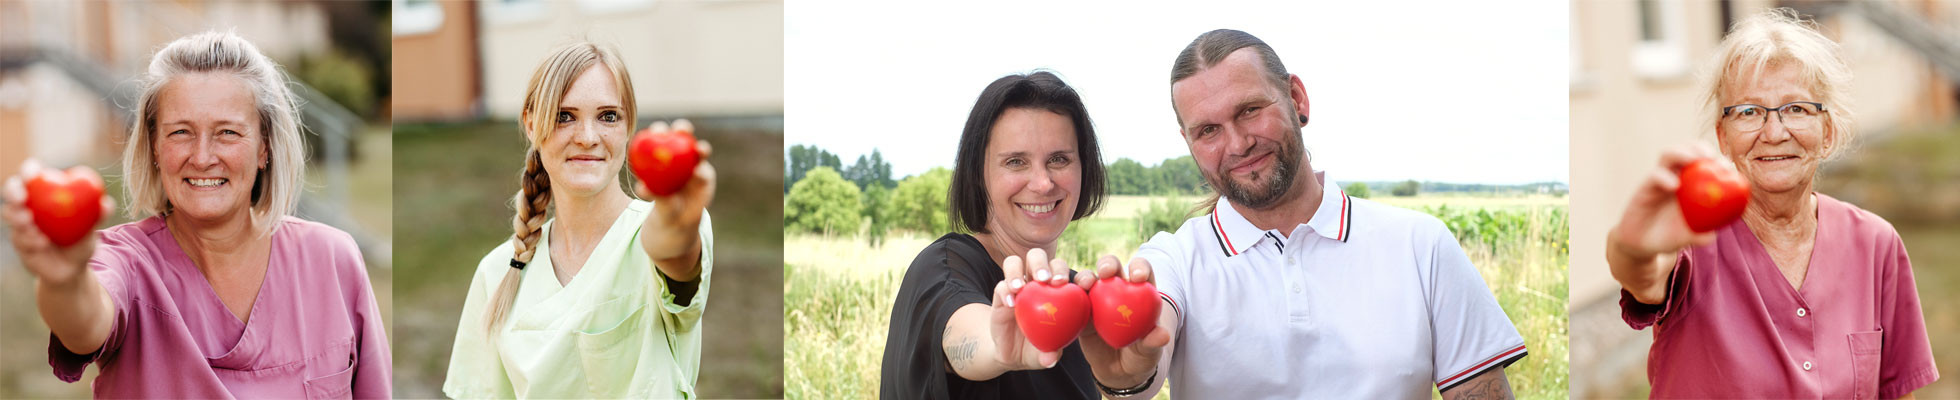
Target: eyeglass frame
(1778, 111)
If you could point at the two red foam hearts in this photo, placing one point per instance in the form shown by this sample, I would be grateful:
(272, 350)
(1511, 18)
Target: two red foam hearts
(1051, 315)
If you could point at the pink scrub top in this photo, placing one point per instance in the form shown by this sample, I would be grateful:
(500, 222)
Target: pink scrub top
(1733, 327)
(315, 331)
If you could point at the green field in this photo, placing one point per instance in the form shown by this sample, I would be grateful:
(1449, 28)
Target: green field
(838, 291)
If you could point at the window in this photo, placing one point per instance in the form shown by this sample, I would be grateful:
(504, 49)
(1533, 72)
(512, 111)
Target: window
(415, 17)
(1662, 51)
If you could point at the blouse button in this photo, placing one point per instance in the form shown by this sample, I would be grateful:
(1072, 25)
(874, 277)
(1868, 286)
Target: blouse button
(1801, 313)
(1806, 365)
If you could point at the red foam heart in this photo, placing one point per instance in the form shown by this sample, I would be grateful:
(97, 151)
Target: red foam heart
(664, 161)
(1123, 311)
(1051, 315)
(1711, 195)
(65, 206)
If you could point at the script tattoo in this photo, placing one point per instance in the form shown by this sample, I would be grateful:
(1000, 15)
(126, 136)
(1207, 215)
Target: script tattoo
(961, 354)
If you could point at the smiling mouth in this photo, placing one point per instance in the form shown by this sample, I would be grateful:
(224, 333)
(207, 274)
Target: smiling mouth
(1039, 208)
(206, 182)
(1776, 158)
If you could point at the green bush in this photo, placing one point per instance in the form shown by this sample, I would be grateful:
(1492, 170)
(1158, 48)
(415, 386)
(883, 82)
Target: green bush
(875, 200)
(1164, 215)
(822, 202)
(919, 203)
(1356, 189)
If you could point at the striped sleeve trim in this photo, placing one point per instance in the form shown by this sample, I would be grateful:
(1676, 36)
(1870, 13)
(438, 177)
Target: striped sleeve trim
(1498, 361)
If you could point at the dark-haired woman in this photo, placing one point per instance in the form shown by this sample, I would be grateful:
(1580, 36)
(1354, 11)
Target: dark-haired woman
(1027, 166)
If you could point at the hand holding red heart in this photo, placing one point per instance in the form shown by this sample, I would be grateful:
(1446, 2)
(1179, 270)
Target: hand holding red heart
(674, 172)
(1693, 191)
(1036, 311)
(52, 215)
(1128, 337)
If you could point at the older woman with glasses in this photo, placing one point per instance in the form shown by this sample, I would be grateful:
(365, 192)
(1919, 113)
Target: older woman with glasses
(1804, 296)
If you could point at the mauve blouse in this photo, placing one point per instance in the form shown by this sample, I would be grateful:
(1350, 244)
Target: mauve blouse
(314, 331)
(1733, 327)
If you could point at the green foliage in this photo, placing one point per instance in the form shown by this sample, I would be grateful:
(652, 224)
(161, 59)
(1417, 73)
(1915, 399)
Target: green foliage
(1356, 189)
(802, 159)
(875, 200)
(1175, 176)
(1489, 227)
(919, 204)
(1407, 189)
(822, 202)
(870, 170)
(341, 77)
(1163, 216)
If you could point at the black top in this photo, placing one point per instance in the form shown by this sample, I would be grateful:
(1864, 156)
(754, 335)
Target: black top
(952, 272)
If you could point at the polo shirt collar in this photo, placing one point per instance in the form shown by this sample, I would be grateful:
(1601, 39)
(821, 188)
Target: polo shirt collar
(1236, 235)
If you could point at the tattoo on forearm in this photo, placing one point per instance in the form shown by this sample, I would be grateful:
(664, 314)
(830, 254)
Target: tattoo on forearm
(1487, 386)
(961, 354)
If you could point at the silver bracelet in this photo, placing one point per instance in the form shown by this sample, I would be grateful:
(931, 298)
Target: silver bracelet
(1126, 393)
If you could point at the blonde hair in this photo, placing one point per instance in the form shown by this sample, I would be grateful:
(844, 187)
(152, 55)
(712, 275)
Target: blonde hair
(275, 191)
(548, 86)
(1779, 37)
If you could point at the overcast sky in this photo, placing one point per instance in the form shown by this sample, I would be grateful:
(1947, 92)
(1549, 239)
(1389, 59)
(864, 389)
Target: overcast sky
(1468, 92)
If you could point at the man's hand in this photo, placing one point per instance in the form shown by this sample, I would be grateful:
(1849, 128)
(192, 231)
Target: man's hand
(1130, 365)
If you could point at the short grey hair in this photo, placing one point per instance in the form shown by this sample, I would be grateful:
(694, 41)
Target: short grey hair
(1781, 37)
(275, 192)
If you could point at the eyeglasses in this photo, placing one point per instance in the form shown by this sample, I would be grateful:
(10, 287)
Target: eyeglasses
(1797, 116)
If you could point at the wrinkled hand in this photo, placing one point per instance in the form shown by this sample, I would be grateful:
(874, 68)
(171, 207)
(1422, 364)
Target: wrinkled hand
(1652, 223)
(1014, 350)
(52, 265)
(1130, 365)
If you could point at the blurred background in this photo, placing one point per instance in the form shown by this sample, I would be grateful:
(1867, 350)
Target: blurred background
(1634, 92)
(68, 81)
(461, 69)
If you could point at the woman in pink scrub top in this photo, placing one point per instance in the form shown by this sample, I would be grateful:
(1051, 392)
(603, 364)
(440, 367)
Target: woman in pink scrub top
(217, 292)
(1805, 296)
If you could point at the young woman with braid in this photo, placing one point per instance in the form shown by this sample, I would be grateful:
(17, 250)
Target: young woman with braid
(597, 294)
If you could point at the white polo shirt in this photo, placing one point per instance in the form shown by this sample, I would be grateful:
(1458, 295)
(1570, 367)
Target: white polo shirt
(1363, 301)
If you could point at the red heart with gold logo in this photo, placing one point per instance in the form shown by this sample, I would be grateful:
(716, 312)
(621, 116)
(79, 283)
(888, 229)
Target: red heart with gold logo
(1051, 315)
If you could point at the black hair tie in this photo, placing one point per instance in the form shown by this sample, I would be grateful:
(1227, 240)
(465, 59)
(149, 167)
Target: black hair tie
(516, 264)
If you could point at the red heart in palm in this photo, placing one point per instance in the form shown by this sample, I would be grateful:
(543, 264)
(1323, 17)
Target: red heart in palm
(1051, 315)
(1711, 195)
(664, 161)
(65, 205)
(1123, 311)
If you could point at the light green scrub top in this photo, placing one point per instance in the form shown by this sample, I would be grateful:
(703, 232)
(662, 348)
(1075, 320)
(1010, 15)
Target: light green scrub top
(614, 331)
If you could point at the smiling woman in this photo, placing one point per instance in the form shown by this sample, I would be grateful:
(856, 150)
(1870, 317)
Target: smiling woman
(216, 291)
(1723, 303)
(617, 286)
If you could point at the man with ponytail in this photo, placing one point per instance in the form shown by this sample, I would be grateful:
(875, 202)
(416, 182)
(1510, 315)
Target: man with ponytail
(596, 294)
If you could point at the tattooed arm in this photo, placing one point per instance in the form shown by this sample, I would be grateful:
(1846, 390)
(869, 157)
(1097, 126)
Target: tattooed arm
(969, 347)
(1491, 384)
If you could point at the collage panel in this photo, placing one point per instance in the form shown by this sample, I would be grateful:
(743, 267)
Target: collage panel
(1598, 199)
(1807, 151)
(1436, 253)
(236, 158)
(541, 257)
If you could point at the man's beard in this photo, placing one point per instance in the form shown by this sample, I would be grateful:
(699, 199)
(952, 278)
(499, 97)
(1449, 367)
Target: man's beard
(1263, 195)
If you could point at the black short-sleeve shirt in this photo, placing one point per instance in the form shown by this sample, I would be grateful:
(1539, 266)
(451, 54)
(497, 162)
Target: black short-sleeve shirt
(952, 272)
